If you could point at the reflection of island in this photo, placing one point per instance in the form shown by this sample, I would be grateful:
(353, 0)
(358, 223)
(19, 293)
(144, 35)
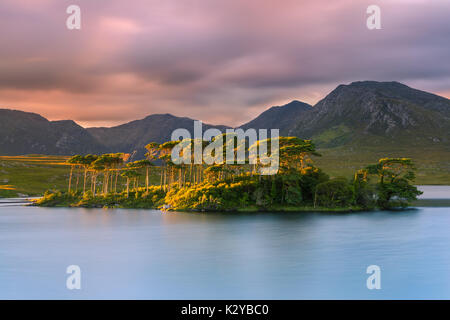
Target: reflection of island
(297, 186)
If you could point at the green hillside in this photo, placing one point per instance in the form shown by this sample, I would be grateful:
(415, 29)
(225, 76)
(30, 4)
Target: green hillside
(432, 163)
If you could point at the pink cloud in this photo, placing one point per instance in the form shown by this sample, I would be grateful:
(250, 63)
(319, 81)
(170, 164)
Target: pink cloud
(219, 61)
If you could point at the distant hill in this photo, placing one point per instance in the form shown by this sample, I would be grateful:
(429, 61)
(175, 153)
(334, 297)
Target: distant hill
(135, 135)
(27, 133)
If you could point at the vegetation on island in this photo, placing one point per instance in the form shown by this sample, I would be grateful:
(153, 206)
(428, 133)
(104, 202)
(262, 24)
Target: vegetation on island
(112, 180)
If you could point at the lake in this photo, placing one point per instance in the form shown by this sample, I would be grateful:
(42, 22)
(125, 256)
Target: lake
(147, 254)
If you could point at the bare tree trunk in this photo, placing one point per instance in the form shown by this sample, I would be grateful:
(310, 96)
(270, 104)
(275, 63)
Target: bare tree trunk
(165, 177)
(84, 181)
(111, 187)
(315, 198)
(105, 182)
(115, 183)
(70, 177)
(94, 186)
(78, 179)
(194, 174)
(146, 178)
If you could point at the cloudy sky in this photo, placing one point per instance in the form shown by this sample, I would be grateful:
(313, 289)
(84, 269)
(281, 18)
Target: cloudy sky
(221, 61)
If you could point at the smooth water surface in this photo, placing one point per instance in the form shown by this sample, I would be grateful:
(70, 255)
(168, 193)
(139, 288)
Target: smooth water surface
(434, 192)
(146, 254)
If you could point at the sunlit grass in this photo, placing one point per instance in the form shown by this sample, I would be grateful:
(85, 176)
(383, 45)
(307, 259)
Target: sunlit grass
(433, 165)
(7, 187)
(33, 175)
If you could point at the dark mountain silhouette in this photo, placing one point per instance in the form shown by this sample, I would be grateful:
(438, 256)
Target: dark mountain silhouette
(283, 118)
(27, 133)
(135, 135)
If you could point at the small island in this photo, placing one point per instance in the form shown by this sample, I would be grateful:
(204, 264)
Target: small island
(113, 181)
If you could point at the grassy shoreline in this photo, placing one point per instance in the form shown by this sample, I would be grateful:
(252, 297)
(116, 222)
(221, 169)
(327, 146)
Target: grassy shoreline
(102, 203)
(196, 199)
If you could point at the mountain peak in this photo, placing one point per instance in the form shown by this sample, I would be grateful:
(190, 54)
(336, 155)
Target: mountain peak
(294, 105)
(279, 117)
(68, 123)
(19, 115)
(159, 115)
(393, 90)
(369, 87)
(372, 83)
(367, 109)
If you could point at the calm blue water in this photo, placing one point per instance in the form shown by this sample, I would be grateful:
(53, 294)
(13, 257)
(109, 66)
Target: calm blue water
(147, 254)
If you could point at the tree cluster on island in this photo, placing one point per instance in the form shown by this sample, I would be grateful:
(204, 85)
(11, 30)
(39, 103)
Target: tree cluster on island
(112, 180)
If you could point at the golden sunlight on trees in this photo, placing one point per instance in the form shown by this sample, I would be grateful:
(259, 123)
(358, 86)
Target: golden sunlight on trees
(188, 185)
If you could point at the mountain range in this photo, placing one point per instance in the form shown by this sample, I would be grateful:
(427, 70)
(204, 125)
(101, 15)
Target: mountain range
(358, 115)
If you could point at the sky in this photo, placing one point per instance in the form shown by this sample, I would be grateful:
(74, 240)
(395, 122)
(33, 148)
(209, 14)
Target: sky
(222, 62)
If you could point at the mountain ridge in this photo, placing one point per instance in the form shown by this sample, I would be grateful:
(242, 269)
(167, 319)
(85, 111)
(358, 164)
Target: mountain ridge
(358, 114)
